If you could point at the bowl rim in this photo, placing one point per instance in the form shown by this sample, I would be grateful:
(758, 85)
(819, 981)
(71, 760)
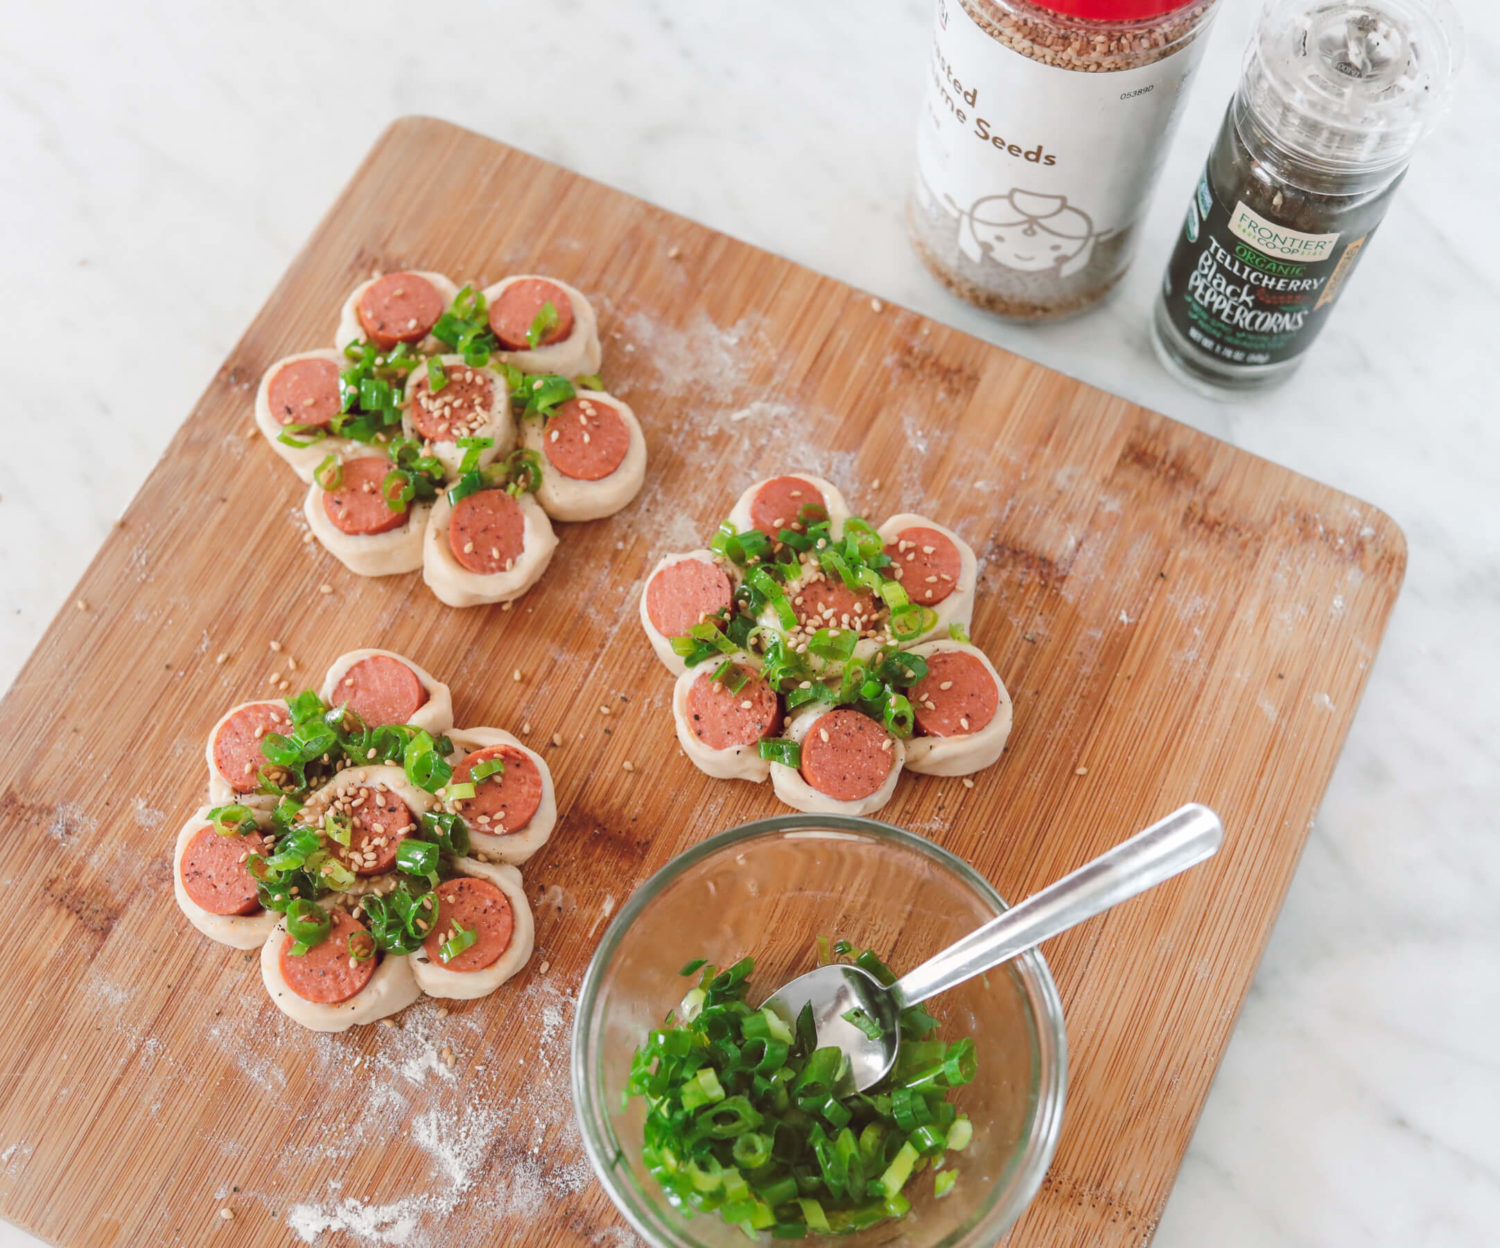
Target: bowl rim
(1041, 990)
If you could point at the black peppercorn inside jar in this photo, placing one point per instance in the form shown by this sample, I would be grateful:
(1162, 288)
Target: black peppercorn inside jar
(1334, 98)
(1039, 144)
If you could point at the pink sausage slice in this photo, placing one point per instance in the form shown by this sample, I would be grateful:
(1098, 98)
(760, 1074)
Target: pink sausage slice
(380, 822)
(458, 410)
(214, 872)
(586, 439)
(479, 907)
(487, 532)
(356, 505)
(237, 746)
(381, 690)
(926, 563)
(846, 755)
(399, 307)
(504, 802)
(956, 697)
(779, 502)
(830, 603)
(305, 392)
(723, 720)
(512, 314)
(684, 593)
(323, 974)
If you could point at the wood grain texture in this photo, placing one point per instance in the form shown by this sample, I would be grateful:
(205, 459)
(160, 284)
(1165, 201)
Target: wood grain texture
(1183, 620)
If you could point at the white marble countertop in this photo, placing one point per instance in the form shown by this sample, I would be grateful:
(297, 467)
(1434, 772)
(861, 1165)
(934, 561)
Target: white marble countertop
(1359, 1100)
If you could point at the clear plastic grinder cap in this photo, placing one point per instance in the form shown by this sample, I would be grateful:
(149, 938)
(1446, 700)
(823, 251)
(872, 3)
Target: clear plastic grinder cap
(1353, 86)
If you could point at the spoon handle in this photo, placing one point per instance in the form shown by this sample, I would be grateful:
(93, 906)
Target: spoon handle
(1183, 839)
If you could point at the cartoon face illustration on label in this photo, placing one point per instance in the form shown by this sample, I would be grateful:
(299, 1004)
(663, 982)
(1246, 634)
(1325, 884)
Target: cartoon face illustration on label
(1026, 231)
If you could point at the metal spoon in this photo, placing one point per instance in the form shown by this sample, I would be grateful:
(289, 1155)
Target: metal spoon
(1183, 839)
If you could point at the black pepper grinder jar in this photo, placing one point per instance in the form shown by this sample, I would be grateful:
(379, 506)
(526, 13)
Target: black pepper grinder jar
(1332, 103)
(1039, 142)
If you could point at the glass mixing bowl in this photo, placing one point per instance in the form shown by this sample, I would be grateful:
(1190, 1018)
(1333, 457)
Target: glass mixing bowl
(770, 889)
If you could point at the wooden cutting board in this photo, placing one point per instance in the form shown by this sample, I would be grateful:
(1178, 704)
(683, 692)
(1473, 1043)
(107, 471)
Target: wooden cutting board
(1176, 620)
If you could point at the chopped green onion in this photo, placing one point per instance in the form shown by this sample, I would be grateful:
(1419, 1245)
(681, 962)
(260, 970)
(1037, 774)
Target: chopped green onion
(959, 1135)
(302, 436)
(781, 750)
(339, 825)
(360, 946)
(487, 767)
(589, 381)
(702, 1089)
(896, 1174)
(472, 448)
(307, 925)
(416, 857)
(693, 966)
(545, 393)
(542, 324)
(462, 938)
(943, 1181)
(231, 820)
(437, 375)
(329, 473)
(958, 632)
(336, 875)
(449, 831)
(858, 1018)
(835, 644)
(457, 792)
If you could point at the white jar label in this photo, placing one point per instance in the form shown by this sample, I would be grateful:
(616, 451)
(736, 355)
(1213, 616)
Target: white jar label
(1039, 164)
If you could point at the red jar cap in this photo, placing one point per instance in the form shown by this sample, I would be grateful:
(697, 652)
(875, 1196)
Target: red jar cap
(1114, 10)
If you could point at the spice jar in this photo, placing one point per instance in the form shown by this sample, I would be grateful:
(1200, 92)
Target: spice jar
(1334, 97)
(1040, 140)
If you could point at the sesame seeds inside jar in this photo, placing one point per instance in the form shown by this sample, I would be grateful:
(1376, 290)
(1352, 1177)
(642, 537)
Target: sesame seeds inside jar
(1039, 144)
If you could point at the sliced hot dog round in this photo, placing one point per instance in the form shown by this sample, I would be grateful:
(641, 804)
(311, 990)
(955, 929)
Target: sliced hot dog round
(829, 603)
(586, 439)
(935, 567)
(792, 500)
(461, 409)
(517, 306)
(379, 822)
(686, 592)
(962, 710)
(926, 562)
(787, 503)
(503, 802)
(330, 972)
(957, 696)
(722, 719)
(236, 742)
(476, 906)
(399, 307)
(381, 689)
(487, 531)
(214, 872)
(304, 392)
(846, 755)
(356, 505)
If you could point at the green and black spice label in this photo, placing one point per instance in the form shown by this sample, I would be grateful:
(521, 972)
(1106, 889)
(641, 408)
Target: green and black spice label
(1248, 290)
